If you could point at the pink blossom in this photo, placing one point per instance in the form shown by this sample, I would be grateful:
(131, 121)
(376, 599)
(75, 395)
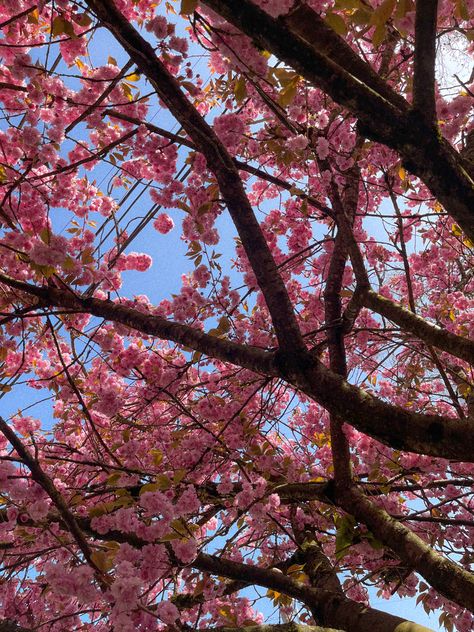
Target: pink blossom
(157, 503)
(297, 143)
(202, 275)
(126, 586)
(188, 502)
(158, 26)
(322, 148)
(276, 7)
(167, 612)
(39, 509)
(26, 425)
(230, 129)
(163, 223)
(185, 550)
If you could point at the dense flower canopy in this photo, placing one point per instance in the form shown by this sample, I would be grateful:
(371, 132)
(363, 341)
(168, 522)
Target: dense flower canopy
(289, 431)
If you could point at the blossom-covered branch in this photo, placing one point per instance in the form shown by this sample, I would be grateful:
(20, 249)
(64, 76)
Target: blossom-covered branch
(220, 163)
(433, 160)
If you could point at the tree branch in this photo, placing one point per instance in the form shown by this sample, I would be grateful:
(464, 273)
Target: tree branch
(47, 484)
(275, 35)
(433, 159)
(345, 207)
(443, 339)
(242, 166)
(307, 24)
(245, 356)
(424, 100)
(220, 163)
(334, 608)
(445, 576)
(7, 625)
(395, 426)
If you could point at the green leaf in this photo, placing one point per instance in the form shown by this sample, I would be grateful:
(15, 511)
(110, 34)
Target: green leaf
(240, 89)
(188, 7)
(60, 26)
(288, 93)
(33, 17)
(98, 510)
(337, 23)
(82, 19)
(204, 208)
(157, 456)
(162, 483)
(383, 13)
(224, 325)
(379, 19)
(461, 10)
(103, 561)
(361, 17)
(114, 478)
(373, 541)
(403, 6)
(44, 235)
(345, 532)
(179, 475)
(197, 355)
(295, 568)
(379, 34)
(344, 5)
(127, 91)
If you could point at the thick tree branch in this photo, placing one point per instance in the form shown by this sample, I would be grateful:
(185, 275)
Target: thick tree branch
(425, 53)
(306, 58)
(308, 25)
(444, 340)
(220, 163)
(445, 576)
(339, 611)
(337, 356)
(242, 355)
(397, 427)
(345, 207)
(47, 484)
(266, 577)
(7, 625)
(317, 566)
(433, 159)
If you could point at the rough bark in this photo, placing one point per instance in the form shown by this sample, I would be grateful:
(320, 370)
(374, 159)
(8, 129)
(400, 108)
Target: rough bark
(401, 429)
(444, 340)
(425, 53)
(433, 160)
(219, 162)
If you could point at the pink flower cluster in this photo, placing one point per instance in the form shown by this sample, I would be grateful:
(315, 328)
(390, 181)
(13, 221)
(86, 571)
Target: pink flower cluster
(163, 223)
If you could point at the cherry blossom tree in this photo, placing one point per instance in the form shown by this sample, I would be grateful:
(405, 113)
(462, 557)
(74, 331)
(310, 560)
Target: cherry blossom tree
(291, 432)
